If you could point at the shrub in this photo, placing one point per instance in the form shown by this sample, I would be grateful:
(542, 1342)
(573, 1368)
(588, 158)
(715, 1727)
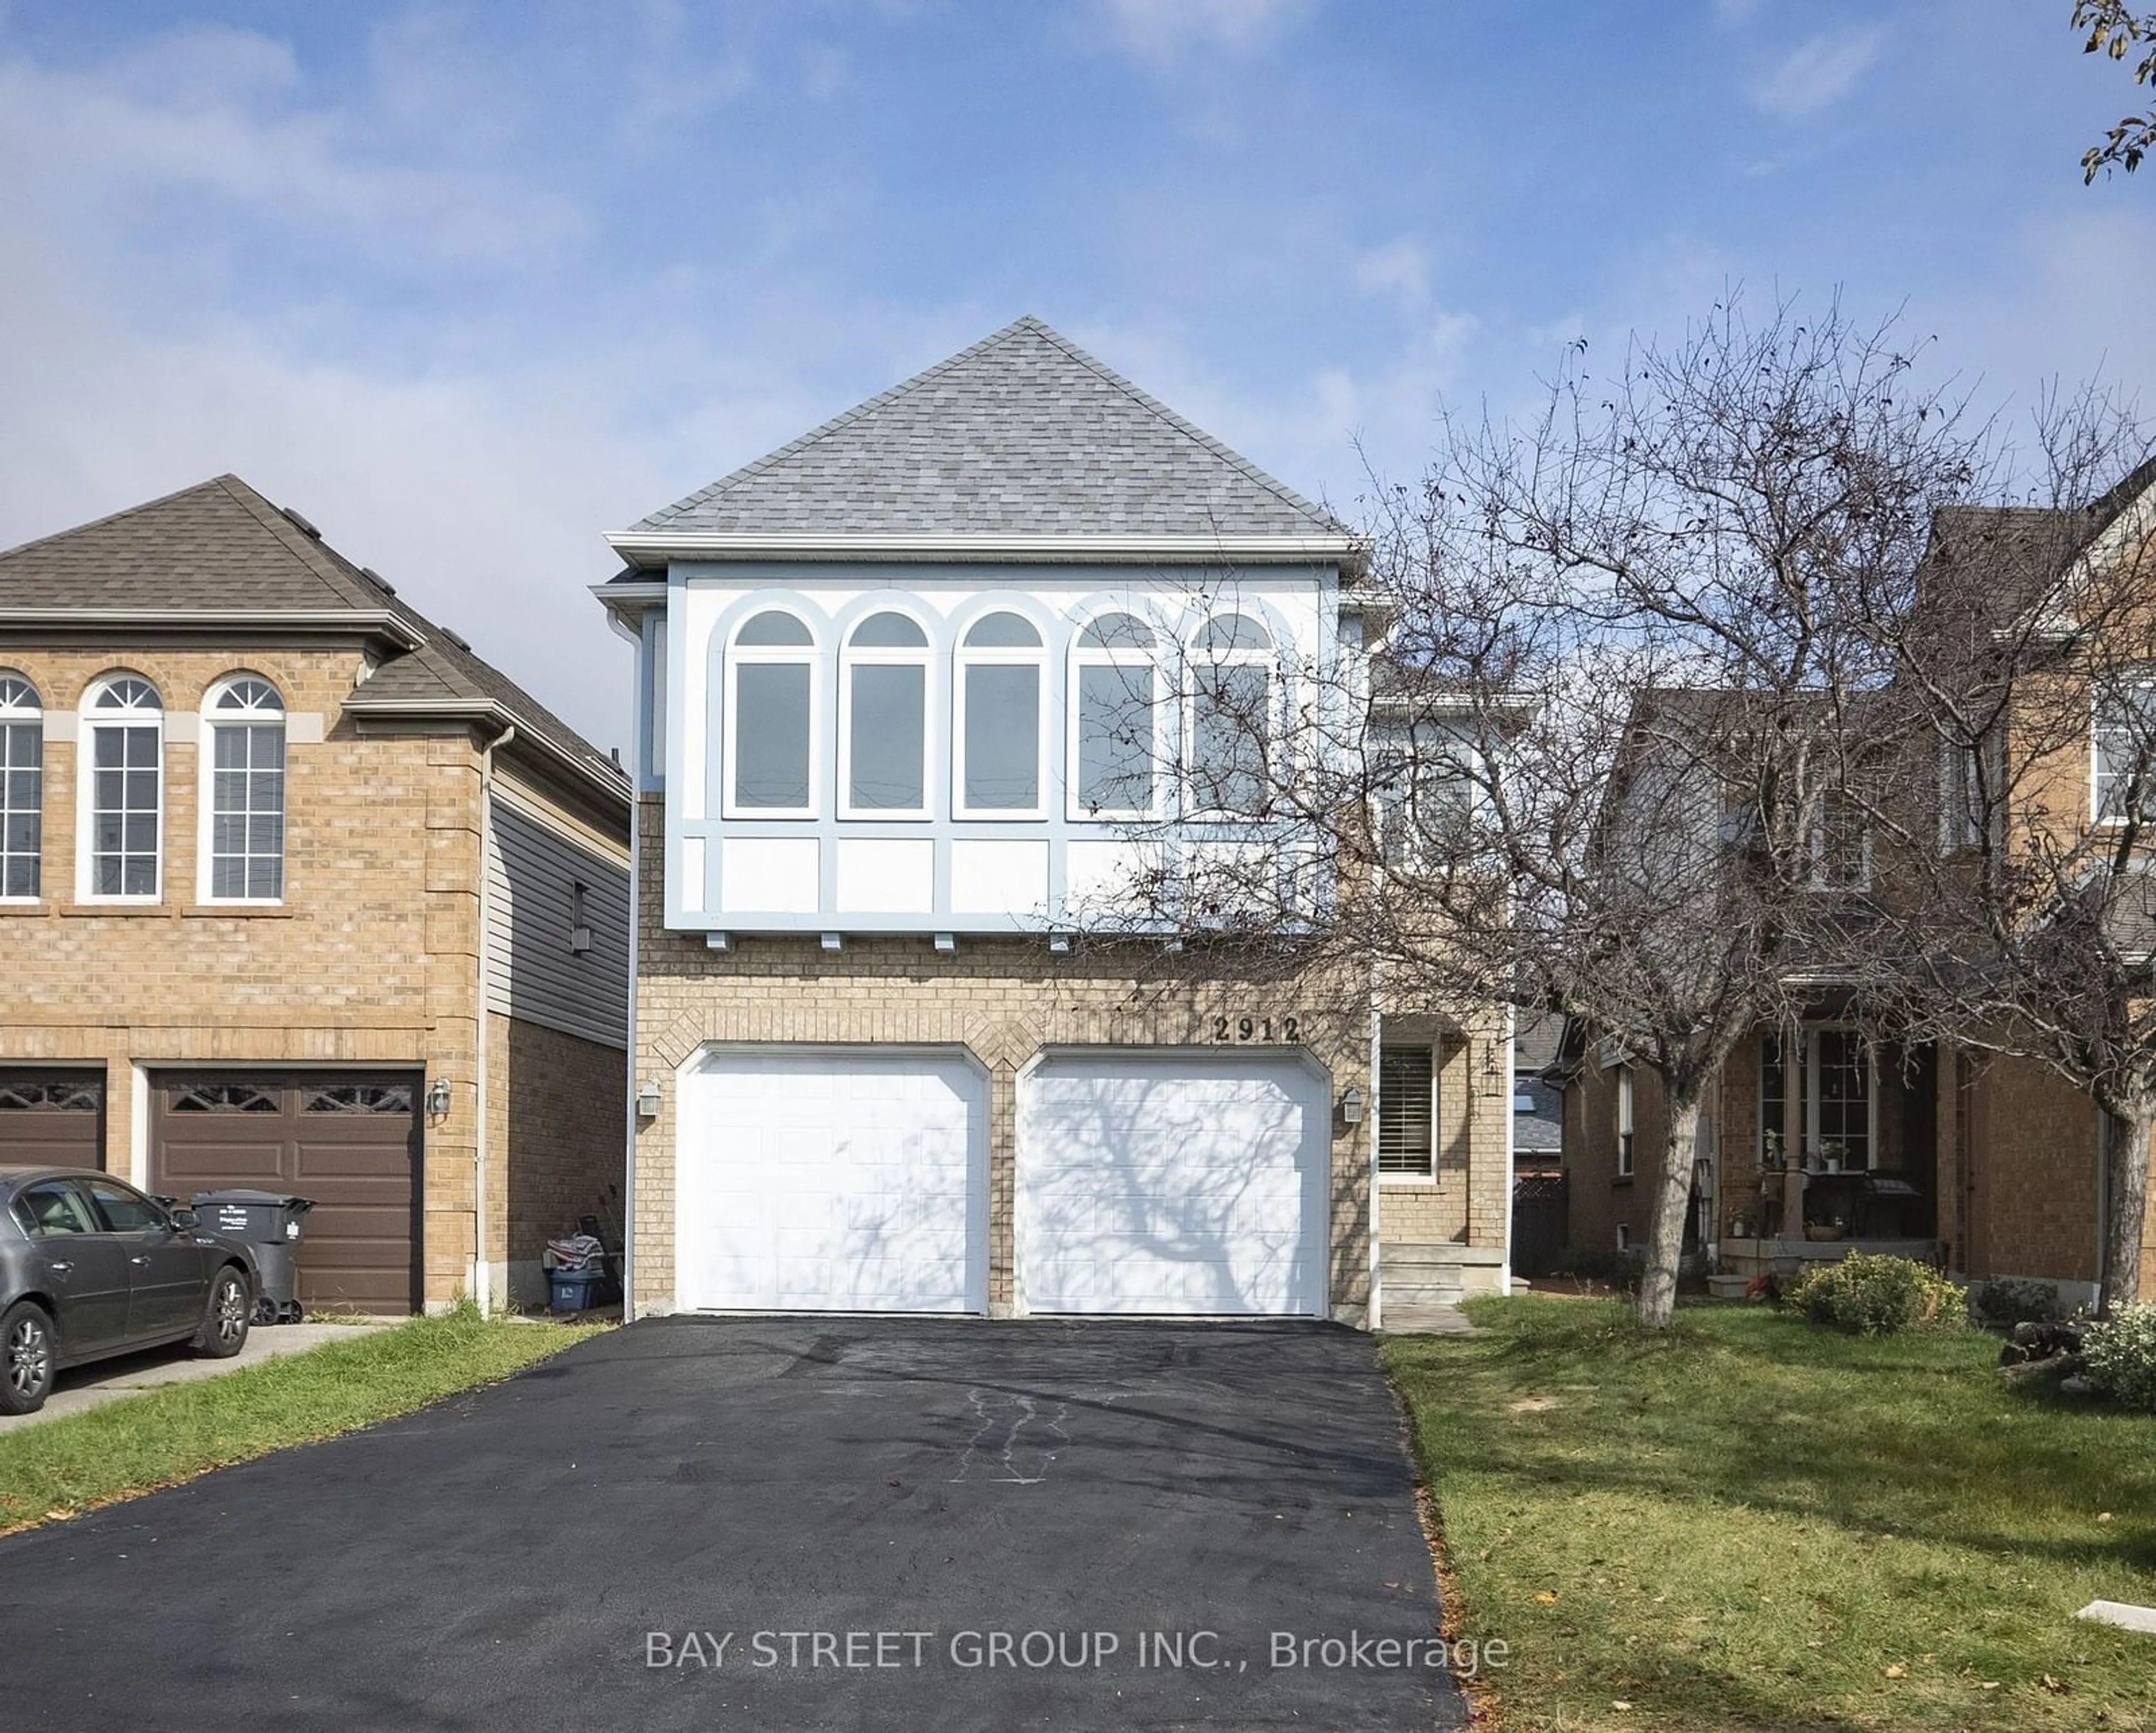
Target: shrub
(2121, 1352)
(1867, 1296)
(2008, 1300)
(1618, 1269)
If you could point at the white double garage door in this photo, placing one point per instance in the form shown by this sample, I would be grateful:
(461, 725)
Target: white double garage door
(1159, 1181)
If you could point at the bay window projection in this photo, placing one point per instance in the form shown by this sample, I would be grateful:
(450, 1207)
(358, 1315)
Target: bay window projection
(1115, 702)
(125, 727)
(884, 729)
(22, 788)
(771, 672)
(246, 728)
(1231, 703)
(999, 665)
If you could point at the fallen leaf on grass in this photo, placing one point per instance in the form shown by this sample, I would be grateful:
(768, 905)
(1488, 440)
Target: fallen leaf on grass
(2056, 1687)
(1548, 1597)
(1898, 1671)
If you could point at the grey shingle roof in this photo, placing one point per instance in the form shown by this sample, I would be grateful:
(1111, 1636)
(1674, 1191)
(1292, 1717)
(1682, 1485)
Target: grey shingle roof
(1023, 434)
(216, 547)
(220, 548)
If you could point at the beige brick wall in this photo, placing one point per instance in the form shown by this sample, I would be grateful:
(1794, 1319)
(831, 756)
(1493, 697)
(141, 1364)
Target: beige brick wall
(1003, 1000)
(372, 956)
(1469, 1201)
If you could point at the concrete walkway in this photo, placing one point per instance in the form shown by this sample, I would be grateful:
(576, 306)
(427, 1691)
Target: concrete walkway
(106, 1380)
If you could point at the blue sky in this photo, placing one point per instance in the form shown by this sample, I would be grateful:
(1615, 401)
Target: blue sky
(470, 285)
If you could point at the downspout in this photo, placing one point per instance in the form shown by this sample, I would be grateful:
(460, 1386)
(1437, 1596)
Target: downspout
(635, 1125)
(1509, 1077)
(482, 1279)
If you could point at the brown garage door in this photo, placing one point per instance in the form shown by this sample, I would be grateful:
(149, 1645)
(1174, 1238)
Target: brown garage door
(349, 1141)
(52, 1118)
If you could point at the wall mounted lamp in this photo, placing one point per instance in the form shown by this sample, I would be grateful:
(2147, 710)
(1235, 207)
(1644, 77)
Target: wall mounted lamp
(438, 1099)
(647, 1099)
(1351, 1106)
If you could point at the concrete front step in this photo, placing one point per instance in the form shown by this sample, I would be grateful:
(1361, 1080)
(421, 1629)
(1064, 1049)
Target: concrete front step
(1424, 1318)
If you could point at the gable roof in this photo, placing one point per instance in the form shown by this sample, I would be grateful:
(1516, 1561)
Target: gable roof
(219, 555)
(1009, 447)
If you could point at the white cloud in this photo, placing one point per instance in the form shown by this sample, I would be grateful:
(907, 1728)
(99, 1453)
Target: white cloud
(1400, 268)
(1819, 74)
(204, 112)
(1163, 31)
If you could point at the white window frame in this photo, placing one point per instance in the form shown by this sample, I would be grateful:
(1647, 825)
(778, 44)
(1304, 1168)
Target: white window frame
(96, 722)
(2143, 684)
(808, 656)
(1197, 660)
(1961, 796)
(852, 656)
(1082, 657)
(18, 711)
(1813, 1070)
(964, 659)
(1818, 879)
(213, 722)
(1806, 1051)
(1389, 1178)
(1628, 1155)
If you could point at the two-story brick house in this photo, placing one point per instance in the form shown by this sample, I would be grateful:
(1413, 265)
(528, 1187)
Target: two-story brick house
(1820, 1137)
(917, 692)
(296, 891)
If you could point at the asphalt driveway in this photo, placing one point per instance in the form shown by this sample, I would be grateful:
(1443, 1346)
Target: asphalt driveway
(766, 1524)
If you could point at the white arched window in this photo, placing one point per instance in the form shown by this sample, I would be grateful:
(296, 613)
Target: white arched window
(1114, 719)
(243, 842)
(21, 786)
(883, 721)
(998, 725)
(770, 718)
(1231, 717)
(123, 824)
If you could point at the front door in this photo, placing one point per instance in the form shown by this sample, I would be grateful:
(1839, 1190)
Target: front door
(78, 1263)
(164, 1267)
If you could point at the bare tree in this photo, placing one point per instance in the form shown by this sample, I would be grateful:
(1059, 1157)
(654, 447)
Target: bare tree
(2029, 912)
(1640, 664)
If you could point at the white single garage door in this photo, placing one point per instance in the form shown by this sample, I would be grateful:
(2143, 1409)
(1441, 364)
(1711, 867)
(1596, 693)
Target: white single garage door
(1175, 1182)
(832, 1179)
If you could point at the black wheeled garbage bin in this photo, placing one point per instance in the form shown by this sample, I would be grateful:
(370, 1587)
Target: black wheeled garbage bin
(271, 1222)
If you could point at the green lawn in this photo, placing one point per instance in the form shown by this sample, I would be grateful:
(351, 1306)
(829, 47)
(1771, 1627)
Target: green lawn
(59, 1467)
(1754, 1523)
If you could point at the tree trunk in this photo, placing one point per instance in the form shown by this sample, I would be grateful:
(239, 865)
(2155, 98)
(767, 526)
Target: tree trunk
(1658, 1282)
(2126, 1149)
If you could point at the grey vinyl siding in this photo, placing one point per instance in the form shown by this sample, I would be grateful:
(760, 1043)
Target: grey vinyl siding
(531, 972)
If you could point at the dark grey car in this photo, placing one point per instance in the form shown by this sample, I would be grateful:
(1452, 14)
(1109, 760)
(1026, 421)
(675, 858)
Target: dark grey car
(90, 1268)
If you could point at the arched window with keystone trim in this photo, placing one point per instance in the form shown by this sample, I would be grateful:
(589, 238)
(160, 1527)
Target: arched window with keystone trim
(1115, 711)
(244, 815)
(123, 824)
(22, 788)
(1232, 717)
(770, 757)
(1001, 678)
(883, 719)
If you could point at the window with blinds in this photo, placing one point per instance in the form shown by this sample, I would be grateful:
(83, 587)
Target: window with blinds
(1407, 1112)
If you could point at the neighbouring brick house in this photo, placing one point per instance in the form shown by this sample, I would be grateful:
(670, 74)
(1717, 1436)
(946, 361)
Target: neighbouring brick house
(886, 1061)
(1989, 1165)
(296, 891)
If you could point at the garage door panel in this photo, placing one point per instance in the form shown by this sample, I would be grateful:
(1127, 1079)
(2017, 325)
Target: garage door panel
(1173, 1184)
(52, 1118)
(833, 1179)
(348, 1141)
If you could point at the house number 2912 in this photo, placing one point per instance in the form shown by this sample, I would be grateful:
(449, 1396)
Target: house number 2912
(1288, 1028)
